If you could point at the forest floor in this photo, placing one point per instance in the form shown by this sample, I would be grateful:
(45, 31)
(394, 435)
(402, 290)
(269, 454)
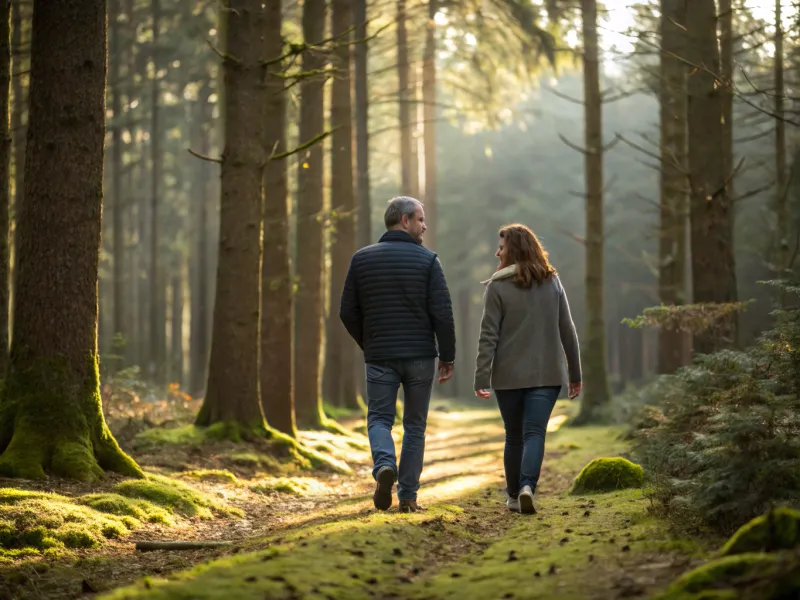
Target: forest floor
(315, 534)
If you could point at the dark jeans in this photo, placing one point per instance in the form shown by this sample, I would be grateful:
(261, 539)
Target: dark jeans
(525, 415)
(383, 381)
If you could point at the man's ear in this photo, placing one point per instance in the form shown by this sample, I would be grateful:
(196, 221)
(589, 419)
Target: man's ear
(404, 221)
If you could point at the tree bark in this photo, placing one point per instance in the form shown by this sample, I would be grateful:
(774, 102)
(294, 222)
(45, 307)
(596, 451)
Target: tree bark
(713, 267)
(310, 250)
(725, 19)
(5, 174)
(19, 133)
(781, 191)
(51, 418)
(404, 105)
(674, 205)
(199, 318)
(276, 368)
(117, 227)
(596, 393)
(340, 384)
(232, 392)
(157, 321)
(362, 124)
(429, 127)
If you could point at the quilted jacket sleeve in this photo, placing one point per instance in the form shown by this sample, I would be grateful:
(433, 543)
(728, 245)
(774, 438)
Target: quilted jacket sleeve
(350, 309)
(440, 310)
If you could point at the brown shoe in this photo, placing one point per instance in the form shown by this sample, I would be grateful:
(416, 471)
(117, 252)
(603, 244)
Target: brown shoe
(382, 499)
(409, 506)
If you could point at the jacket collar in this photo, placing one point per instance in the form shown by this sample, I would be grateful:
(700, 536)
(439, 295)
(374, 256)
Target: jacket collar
(398, 235)
(503, 273)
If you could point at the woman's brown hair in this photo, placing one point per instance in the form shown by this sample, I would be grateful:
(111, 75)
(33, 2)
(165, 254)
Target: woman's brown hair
(524, 250)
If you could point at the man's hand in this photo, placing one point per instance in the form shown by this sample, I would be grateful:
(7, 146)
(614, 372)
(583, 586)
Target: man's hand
(445, 371)
(485, 394)
(574, 390)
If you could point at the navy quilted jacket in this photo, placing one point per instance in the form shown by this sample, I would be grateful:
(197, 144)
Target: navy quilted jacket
(395, 302)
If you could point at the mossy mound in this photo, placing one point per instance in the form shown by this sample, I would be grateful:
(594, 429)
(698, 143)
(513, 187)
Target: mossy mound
(114, 504)
(175, 496)
(34, 523)
(212, 475)
(776, 530)
(607, 475)
(750, 576)
(295, 486)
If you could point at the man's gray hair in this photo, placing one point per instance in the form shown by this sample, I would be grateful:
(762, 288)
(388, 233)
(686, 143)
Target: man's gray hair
(399, 206)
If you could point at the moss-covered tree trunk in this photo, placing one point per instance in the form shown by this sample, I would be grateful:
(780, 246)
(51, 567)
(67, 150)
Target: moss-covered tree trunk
(5, 164)
(713, 266)
(232, 390)
(276, 368)
(51, 418)
(310, 249)
(340, 348)
(429, 126)
(674, 184)
(595, 382)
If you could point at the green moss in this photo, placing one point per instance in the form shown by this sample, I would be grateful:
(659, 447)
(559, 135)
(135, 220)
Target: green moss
(39, 523)
(776, 530)
(136, 509)
(295, 486)
(52, 423)
(214, 475)
(175, 496)
(750, 576)
(608, 474)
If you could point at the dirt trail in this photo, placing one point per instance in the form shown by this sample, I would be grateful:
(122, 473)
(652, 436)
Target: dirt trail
(333, 544)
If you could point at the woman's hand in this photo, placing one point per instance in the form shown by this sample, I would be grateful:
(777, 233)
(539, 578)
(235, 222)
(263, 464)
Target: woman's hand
(485, 394)
(574, 390)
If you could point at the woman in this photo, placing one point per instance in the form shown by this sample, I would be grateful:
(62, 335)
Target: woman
(526, 334)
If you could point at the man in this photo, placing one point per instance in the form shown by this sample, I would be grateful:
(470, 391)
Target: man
(395, 302)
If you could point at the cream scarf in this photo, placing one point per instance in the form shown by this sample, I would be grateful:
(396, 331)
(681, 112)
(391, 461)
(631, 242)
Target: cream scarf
(503, 273)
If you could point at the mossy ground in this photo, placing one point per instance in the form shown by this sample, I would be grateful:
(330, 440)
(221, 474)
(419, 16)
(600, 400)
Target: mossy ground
(314, 534)
(36, 523)
(328, 541)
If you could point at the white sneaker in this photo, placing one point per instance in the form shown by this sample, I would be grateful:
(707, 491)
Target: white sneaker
(512, 504)
(526, 500)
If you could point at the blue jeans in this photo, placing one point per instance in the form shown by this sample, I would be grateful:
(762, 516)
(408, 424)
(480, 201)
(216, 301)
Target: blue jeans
(383, 381)
(525, 415)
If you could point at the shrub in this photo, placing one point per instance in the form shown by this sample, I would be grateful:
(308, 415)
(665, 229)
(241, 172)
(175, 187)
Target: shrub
(728, 447)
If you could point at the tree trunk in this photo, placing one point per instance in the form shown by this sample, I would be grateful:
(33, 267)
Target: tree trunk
(18, 133)
(199, 313)
(51, 418)
(414, 125)
(713, 267)
(276, 369)
(232, 391)
(429, 126)
(340, 348)
(595, 383)
(157, 325)
(725, 19)
(5, 164)
(781, 191)
(403, 99)
(672, 236)
(310, 251)
(117, 231)
(176, 323)
(362, 124)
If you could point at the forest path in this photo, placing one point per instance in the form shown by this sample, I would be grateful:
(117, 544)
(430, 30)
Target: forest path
(332, 543)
